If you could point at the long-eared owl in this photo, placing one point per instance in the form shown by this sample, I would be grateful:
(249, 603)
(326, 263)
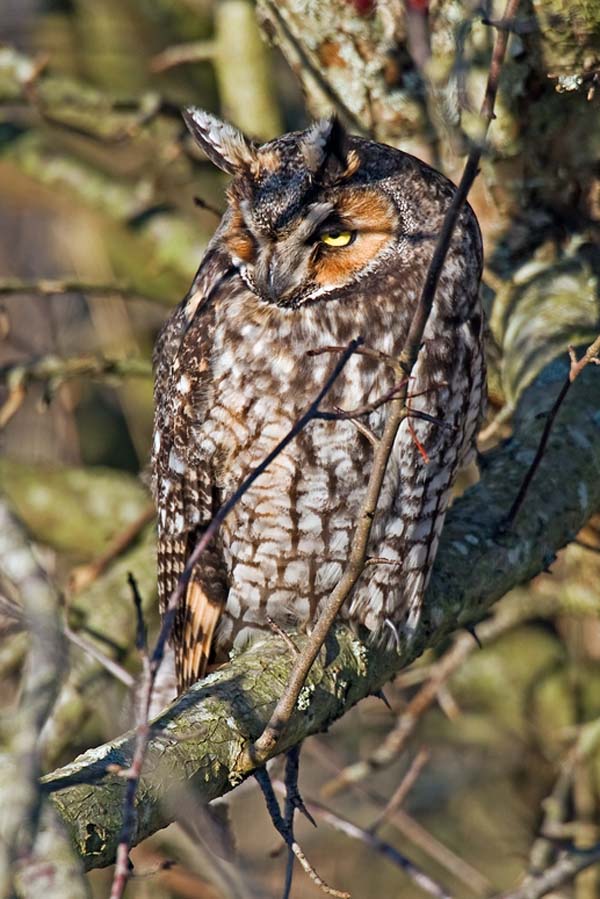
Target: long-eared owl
(326, 237)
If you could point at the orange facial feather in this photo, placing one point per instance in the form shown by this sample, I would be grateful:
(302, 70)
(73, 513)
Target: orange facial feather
(238, 239)
(375, 220)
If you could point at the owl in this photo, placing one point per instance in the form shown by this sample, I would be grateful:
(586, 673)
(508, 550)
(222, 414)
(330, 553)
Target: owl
(326, 237)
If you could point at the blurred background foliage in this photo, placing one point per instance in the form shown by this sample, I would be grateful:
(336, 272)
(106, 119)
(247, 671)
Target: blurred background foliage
(106, 209)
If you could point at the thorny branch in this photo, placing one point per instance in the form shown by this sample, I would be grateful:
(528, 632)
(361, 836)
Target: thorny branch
(267, 742)
(281, 825)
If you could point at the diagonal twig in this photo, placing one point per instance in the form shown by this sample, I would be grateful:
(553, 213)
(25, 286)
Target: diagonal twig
(267, 742)
(590, 356)
(403, 789)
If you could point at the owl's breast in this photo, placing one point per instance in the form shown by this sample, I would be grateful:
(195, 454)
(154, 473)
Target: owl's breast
(285, 543)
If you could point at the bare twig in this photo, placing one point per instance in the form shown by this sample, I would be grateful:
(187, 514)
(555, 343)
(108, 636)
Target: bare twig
(84, 575)
(14, 612)
(54, 370)
(409, 827)
(204, 204)
(284, 636)
(267, 742)
(403, 789)
(556, 804)
(577, 366)
(180, 54)
(47, 287)
(370, 353)
(92, 650)
(12, 404)
(565, 869)
(343, 414)
(133, 773)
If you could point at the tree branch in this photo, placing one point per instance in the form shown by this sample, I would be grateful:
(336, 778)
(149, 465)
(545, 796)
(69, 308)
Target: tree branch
(202, 736)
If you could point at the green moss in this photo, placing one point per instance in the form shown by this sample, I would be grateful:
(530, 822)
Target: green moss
(73, 510)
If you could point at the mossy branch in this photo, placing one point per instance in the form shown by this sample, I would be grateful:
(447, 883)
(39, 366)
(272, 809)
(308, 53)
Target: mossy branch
(200, 739)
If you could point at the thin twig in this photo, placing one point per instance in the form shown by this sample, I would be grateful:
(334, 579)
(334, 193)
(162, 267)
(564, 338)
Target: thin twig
(283, 634)
(92, 650)
(370, 353)
(134, 772)
(577, 366)
(565, 869)
(47, 287)
(267, 742)
(409, 828)
(84, 575)
(556, 805)
(141, 635)
(367, 409)
(180, 54)
(56, 370)
(204, 204)
(403, 788)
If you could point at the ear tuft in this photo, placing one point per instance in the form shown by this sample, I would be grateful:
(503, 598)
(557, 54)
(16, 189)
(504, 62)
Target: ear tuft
(224, 145)
(325, 150)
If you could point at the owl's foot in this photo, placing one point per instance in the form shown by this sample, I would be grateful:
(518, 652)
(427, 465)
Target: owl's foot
(293, 799)
(284, 824)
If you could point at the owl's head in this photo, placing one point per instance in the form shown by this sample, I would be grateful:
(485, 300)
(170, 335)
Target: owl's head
(314, 211)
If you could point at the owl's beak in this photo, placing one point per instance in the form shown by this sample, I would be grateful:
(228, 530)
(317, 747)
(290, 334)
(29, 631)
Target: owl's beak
(278, 279)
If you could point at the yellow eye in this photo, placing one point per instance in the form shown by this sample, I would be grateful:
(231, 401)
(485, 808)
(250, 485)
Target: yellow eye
(337, 238)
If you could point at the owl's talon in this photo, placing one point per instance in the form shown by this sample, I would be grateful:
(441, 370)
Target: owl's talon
(470, 628)
(379, 694)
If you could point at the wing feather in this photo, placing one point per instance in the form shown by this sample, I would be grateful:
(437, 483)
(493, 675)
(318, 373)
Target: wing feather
(182, 473)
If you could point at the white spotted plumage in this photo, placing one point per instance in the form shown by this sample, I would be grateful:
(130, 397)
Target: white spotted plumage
(234, 373)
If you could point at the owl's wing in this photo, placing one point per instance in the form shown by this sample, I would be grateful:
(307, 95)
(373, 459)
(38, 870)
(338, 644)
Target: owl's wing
(181, 471)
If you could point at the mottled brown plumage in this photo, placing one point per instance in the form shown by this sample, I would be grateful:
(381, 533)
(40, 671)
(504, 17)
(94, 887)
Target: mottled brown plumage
(326, 237)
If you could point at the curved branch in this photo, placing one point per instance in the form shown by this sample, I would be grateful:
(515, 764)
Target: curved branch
(201, 738)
